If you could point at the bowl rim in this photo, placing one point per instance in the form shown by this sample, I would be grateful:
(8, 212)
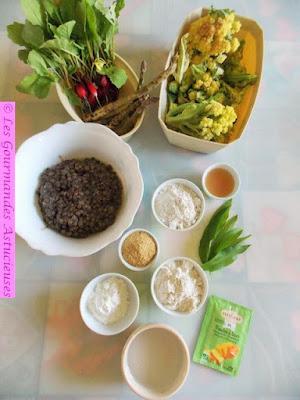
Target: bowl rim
(204, 280)
(127, 264)
(228, 167)
(184, 348)
(63, 98)
(32, 240)
(189, 184)
(88, 289)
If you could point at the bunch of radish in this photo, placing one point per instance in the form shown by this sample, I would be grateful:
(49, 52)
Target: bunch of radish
(98, 93)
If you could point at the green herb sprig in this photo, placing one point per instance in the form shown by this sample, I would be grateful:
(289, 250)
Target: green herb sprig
(221, 242)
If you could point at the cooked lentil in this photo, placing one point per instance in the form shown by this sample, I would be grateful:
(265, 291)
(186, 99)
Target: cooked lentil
(79, 197)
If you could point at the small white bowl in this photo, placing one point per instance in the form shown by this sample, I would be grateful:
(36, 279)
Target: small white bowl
(128, 88)
(119, 326)
(205, 287)
(132, 267)
(73, 140)
(190, 185)
(155, 361)
(231, 170)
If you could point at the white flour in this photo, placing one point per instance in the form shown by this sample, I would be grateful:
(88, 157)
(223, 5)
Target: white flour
(108, 303)
(177, 206)
(178, 286)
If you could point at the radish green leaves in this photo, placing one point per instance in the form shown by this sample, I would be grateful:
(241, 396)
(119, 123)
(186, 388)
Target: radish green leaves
(64, 40)
(221, 242)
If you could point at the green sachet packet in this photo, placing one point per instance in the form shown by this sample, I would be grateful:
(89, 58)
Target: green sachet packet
(223, 335)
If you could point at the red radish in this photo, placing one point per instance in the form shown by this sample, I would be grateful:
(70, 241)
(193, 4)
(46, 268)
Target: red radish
(93, 92)
(92, 100)
(104, 81)
(92, 88)
(81, 91)
(82, 94)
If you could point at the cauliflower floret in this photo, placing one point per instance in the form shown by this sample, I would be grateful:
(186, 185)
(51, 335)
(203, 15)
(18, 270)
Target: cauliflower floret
(206, 122)
(218, 122)
(221, 58)
(209, 34)
(207, 80)
(235, 43)
(197, 85)
(214, 108)
(236, 26)
(213, 88)
(211, 64)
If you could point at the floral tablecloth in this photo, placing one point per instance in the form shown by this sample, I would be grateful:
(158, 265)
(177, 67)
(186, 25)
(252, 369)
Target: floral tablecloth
(45, 349)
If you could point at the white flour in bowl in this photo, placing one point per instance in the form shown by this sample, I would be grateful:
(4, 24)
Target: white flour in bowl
(179, 286)
(177, 206)
(108, 303)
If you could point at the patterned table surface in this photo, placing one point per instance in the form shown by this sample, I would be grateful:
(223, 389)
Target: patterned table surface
(45, 349)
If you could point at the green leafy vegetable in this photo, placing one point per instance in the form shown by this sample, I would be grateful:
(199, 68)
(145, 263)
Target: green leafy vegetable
(67, 9)
(119, 5)
(240, 79)
(51, 10)
(33, 11)
(36, 85)
(65, 41)
(221, 242)
(61, 45)
(235, 74)
(32, 35)
(73, 98)
(185, 113)
(15, 33)
(39, 65)
(220, 12)
(217, 221)
(23, 55)
(198, 71)
(184, 59)
(65, 30)
(92, 26)
(116, 75)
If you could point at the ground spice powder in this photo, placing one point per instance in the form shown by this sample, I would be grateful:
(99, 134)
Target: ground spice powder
(139, 249)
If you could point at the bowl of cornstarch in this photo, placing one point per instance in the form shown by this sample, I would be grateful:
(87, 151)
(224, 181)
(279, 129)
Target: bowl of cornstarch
(178, 204)
(109, 304)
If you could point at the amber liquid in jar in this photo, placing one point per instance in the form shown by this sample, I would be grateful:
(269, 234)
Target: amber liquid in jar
(220, 182)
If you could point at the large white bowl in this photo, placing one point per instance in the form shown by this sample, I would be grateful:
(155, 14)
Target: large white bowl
(73, 140)
(128, 88)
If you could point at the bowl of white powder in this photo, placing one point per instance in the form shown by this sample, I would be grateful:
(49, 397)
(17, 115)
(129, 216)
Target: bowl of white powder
(178, 204)
(109, 304)
(179, 286)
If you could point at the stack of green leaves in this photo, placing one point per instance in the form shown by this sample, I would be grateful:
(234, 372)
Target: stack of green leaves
(221, 242)
(64, 40)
